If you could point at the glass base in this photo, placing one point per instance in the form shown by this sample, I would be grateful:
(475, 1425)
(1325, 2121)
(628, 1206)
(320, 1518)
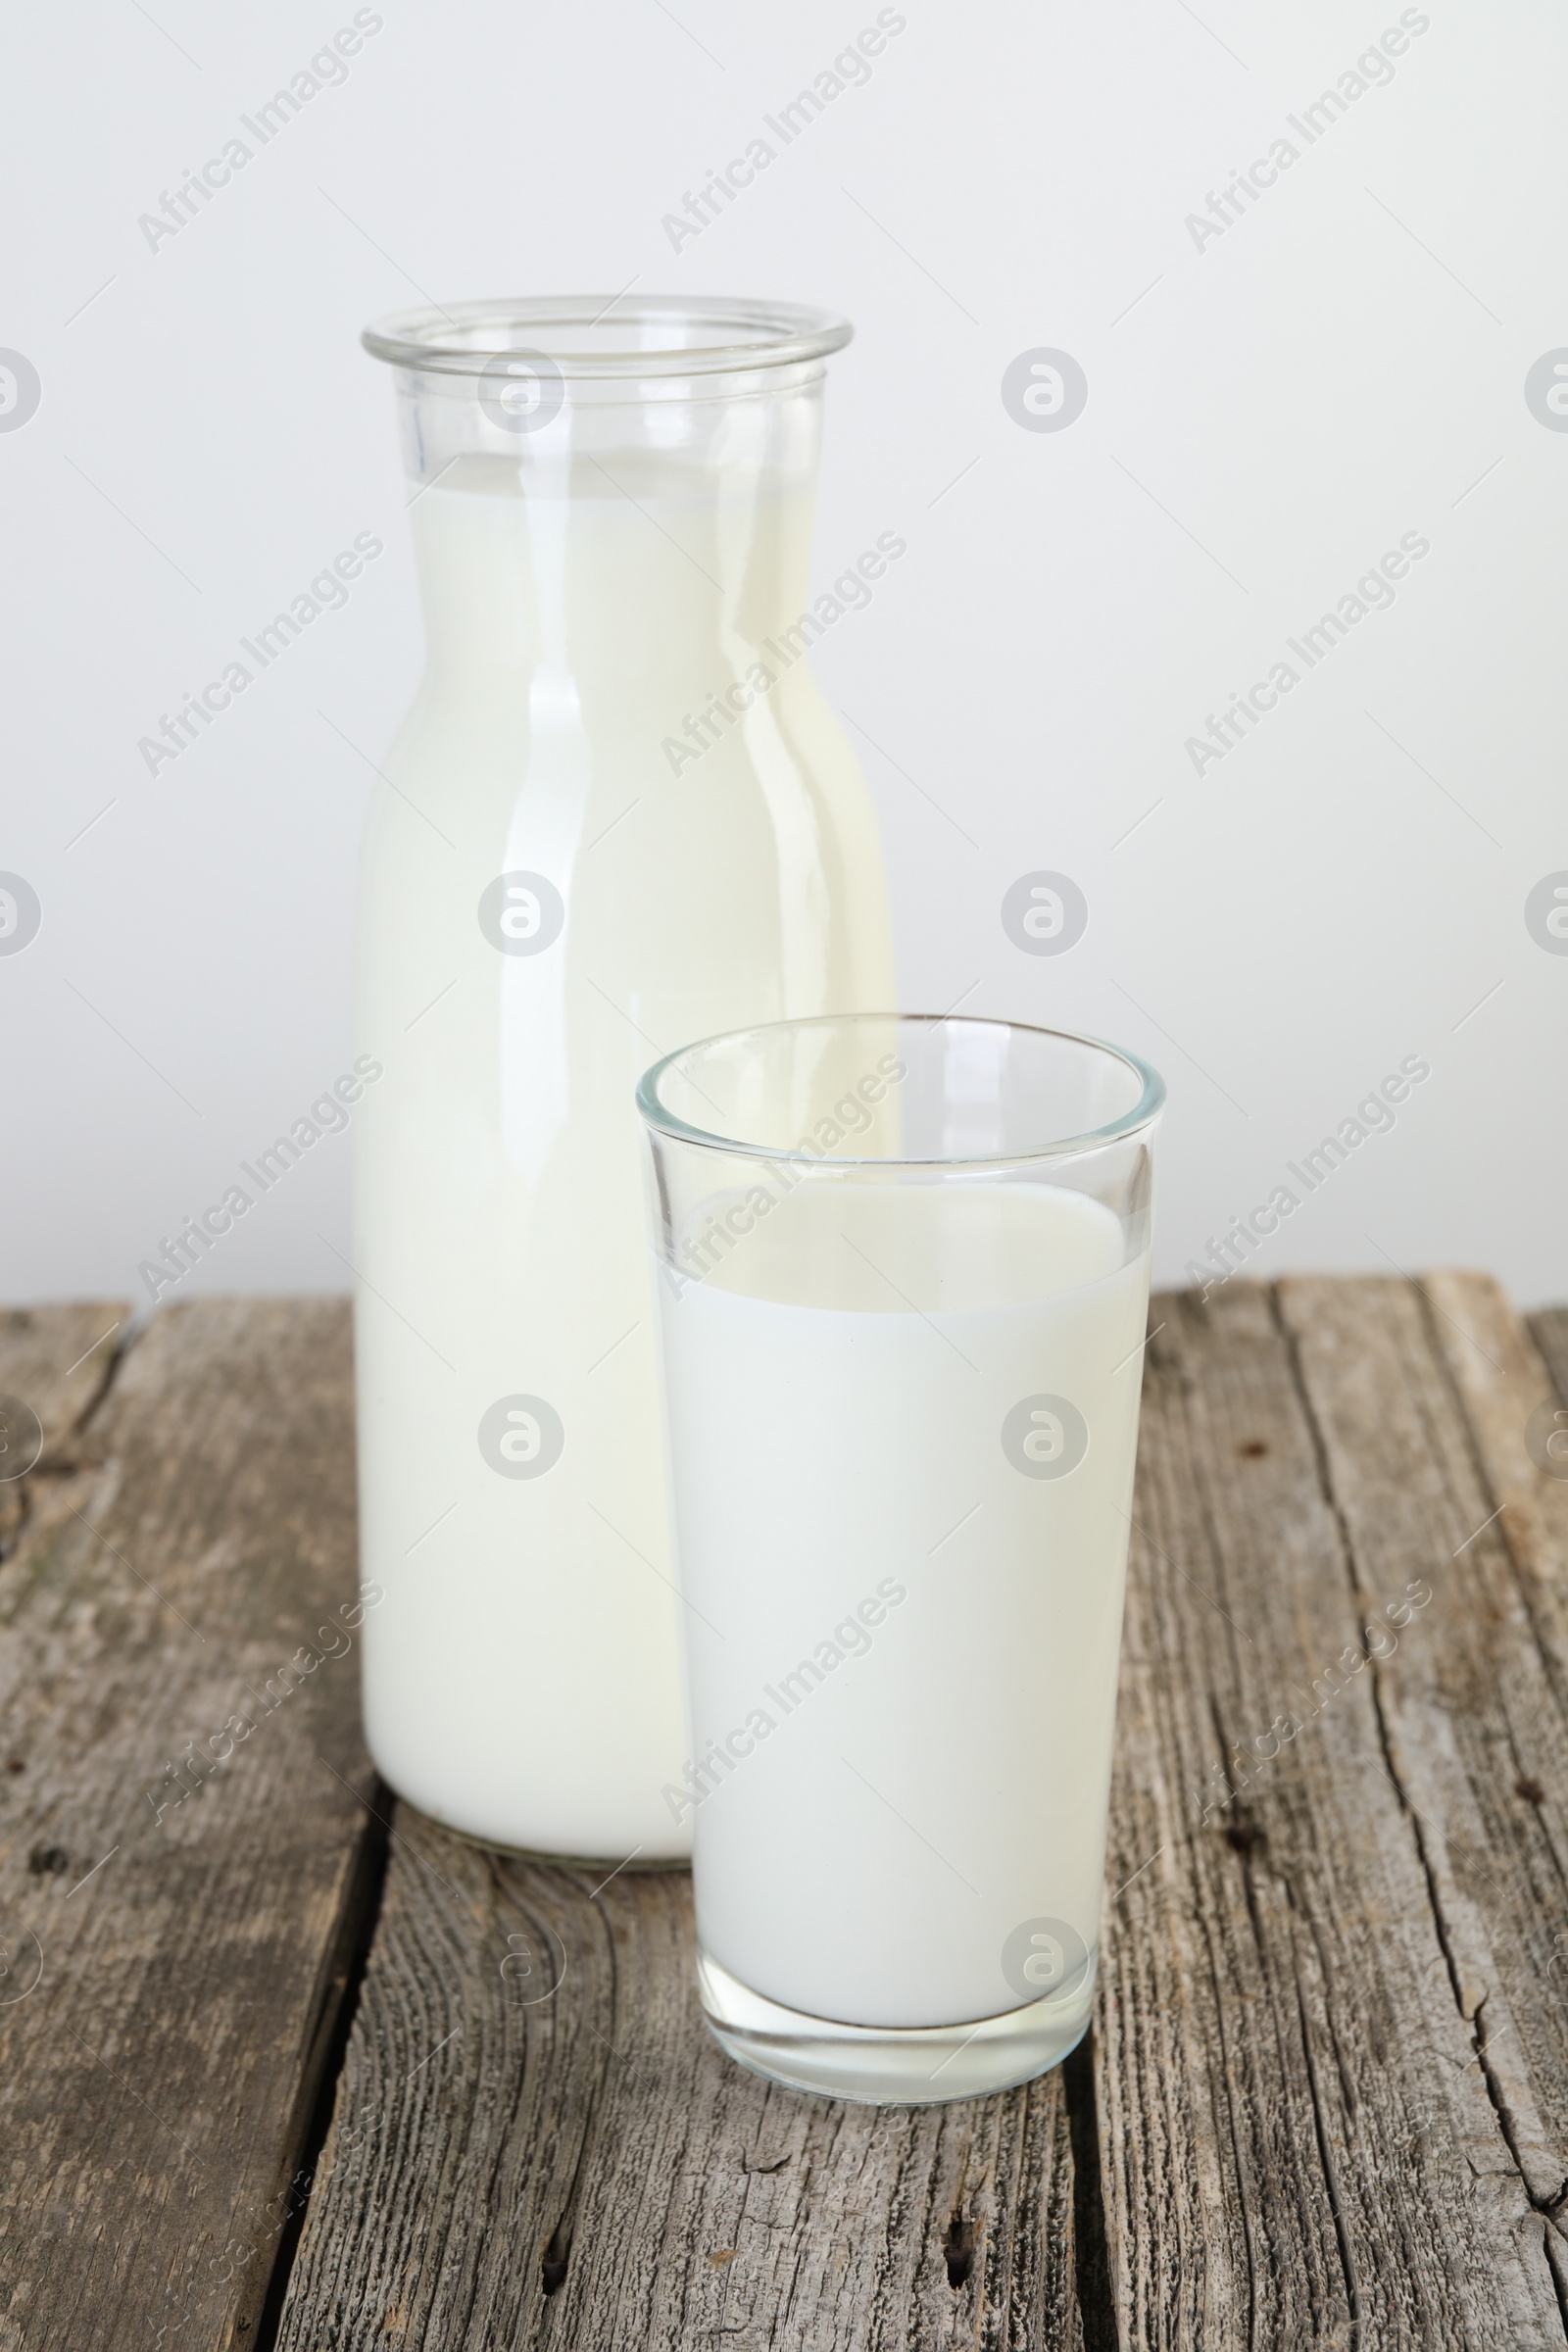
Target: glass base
(890, 2066)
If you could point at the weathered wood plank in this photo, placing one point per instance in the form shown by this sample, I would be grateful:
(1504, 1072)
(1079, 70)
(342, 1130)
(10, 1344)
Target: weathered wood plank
(587, 2169)
(1508, 1381)
(54, 1362)
(1299, 2144)
(57, 1360)
(1331, 2062)
(1508, 1378)
(187, 1533)
(1548, 1328)
(1476, 1734)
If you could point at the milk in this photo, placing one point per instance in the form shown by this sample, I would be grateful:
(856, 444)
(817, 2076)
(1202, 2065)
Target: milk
(901, 1644)
(520, 1676)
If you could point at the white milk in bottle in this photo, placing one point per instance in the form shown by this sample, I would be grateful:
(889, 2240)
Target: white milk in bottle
(619, 817)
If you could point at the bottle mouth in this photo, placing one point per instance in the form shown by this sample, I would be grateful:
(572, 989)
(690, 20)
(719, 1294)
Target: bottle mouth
(590, 336)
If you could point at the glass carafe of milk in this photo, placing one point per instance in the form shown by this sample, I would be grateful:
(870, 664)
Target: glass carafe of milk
(619, 817)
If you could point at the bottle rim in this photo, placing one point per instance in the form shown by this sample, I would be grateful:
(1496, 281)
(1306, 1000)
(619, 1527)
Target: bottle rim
(598, 336)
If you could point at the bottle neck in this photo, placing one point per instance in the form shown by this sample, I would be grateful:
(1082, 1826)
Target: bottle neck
(608, 569)
(613, 531)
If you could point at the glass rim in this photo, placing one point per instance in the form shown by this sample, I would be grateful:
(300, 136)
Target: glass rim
(733, 336)
(1151, 1102)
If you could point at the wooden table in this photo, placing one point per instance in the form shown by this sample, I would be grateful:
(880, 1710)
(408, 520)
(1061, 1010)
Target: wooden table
(281, 2064)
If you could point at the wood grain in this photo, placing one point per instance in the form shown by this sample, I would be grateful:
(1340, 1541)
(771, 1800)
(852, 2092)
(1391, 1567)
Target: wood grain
(184, 1537)
(1310, 2133)
(588, 2169)
(58, 1359)
(1549, 1331)
(1305, 2108)
(1327, 2102)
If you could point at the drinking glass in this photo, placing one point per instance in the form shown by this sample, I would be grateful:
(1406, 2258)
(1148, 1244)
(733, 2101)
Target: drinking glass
(904, 1280)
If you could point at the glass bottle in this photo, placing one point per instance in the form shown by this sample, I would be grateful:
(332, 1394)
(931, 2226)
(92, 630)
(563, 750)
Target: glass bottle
(619, 815)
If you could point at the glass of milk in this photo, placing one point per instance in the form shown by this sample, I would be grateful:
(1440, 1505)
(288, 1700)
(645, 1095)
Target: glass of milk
(904, 1278)
(619, 813)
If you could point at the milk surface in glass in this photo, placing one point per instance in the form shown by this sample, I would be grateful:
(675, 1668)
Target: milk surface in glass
(904, 1566)
(522, 1675)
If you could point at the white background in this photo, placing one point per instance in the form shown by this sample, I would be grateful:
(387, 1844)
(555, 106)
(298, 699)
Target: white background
(1343, 365)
